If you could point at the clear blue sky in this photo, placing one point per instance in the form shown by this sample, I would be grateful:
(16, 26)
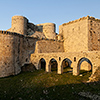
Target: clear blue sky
(43, 11)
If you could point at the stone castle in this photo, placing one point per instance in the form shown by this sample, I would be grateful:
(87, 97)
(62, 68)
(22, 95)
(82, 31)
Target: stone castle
(78, 44)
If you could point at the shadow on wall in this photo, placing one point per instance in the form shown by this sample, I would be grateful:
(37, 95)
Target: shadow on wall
(66, 65)
(88, 66)
(42, 64)
(53, 64)
(28, 67)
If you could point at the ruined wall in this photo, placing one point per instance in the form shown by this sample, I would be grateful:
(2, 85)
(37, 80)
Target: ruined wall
(75, 35)
(94, 34)
(48, 46)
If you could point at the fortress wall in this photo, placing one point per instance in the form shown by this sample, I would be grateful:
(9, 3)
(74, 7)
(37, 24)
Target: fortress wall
(15, 51)
(48, 30)
(48, 46)
(27, 47)
(75, 35)
(94, 34)
(6, 54)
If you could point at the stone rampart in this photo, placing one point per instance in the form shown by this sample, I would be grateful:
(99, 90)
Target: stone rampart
(49, 46)
(15, 51)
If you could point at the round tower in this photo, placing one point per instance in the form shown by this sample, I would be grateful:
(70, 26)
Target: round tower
(48, 30)
(19, 24)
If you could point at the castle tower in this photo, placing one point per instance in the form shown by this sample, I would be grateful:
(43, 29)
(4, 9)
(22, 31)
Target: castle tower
(48, 30)
(19, 24)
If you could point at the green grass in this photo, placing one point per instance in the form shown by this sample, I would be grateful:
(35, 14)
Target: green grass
(39, 85)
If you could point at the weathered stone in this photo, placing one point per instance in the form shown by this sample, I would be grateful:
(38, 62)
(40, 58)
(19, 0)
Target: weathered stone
(76, 46)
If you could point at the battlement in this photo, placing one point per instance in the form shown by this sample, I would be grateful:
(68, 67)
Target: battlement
(80, 19)
(10, 33)
(19, 17)
(16, 34)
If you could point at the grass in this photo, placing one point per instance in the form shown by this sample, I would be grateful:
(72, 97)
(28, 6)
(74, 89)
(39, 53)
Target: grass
(39, 85)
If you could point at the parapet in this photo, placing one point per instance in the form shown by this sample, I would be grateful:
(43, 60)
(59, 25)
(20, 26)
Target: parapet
(75, 21)
(80, 19)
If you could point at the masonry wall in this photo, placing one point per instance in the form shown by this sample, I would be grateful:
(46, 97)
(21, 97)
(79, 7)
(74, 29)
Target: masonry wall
(94, 34)
(15, 51)
(48, 46)
(75, 35)
(28, 45)
(6, 54)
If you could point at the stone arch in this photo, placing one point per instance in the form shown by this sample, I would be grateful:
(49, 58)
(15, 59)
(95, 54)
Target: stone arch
(66, 63)
(88, 68)
(42, 63)
(53, 64)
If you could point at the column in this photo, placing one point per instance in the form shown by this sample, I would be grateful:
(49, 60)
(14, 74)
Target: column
(60, 68)
(48, 67)
(75, 68)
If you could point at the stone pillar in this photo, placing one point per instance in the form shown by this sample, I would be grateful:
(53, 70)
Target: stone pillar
(60, 68)
(75, 68)
(48, 67)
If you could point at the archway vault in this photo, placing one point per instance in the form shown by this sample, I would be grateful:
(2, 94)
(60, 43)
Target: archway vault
(42, 63)
(66, 63)
(53, 64)
(87, 65)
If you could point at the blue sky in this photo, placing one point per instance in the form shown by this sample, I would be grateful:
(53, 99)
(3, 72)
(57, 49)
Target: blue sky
(43, 11)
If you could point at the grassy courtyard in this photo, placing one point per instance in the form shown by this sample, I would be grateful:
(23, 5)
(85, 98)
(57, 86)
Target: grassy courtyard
(39, 85)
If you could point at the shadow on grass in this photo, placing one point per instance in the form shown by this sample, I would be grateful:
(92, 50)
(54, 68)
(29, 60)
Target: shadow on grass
(40, 85)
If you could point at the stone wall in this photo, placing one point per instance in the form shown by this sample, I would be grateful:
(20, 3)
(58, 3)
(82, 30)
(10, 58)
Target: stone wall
(15, 51)
(75, 35)
(94, 34)
(27, 48)
(48, 46)
(6, 54)
(48, 29)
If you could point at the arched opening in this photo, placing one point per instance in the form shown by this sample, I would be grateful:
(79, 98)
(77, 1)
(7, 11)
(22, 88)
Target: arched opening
(42, 64)
(66, 64)
(84, 65)
(53, 64)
